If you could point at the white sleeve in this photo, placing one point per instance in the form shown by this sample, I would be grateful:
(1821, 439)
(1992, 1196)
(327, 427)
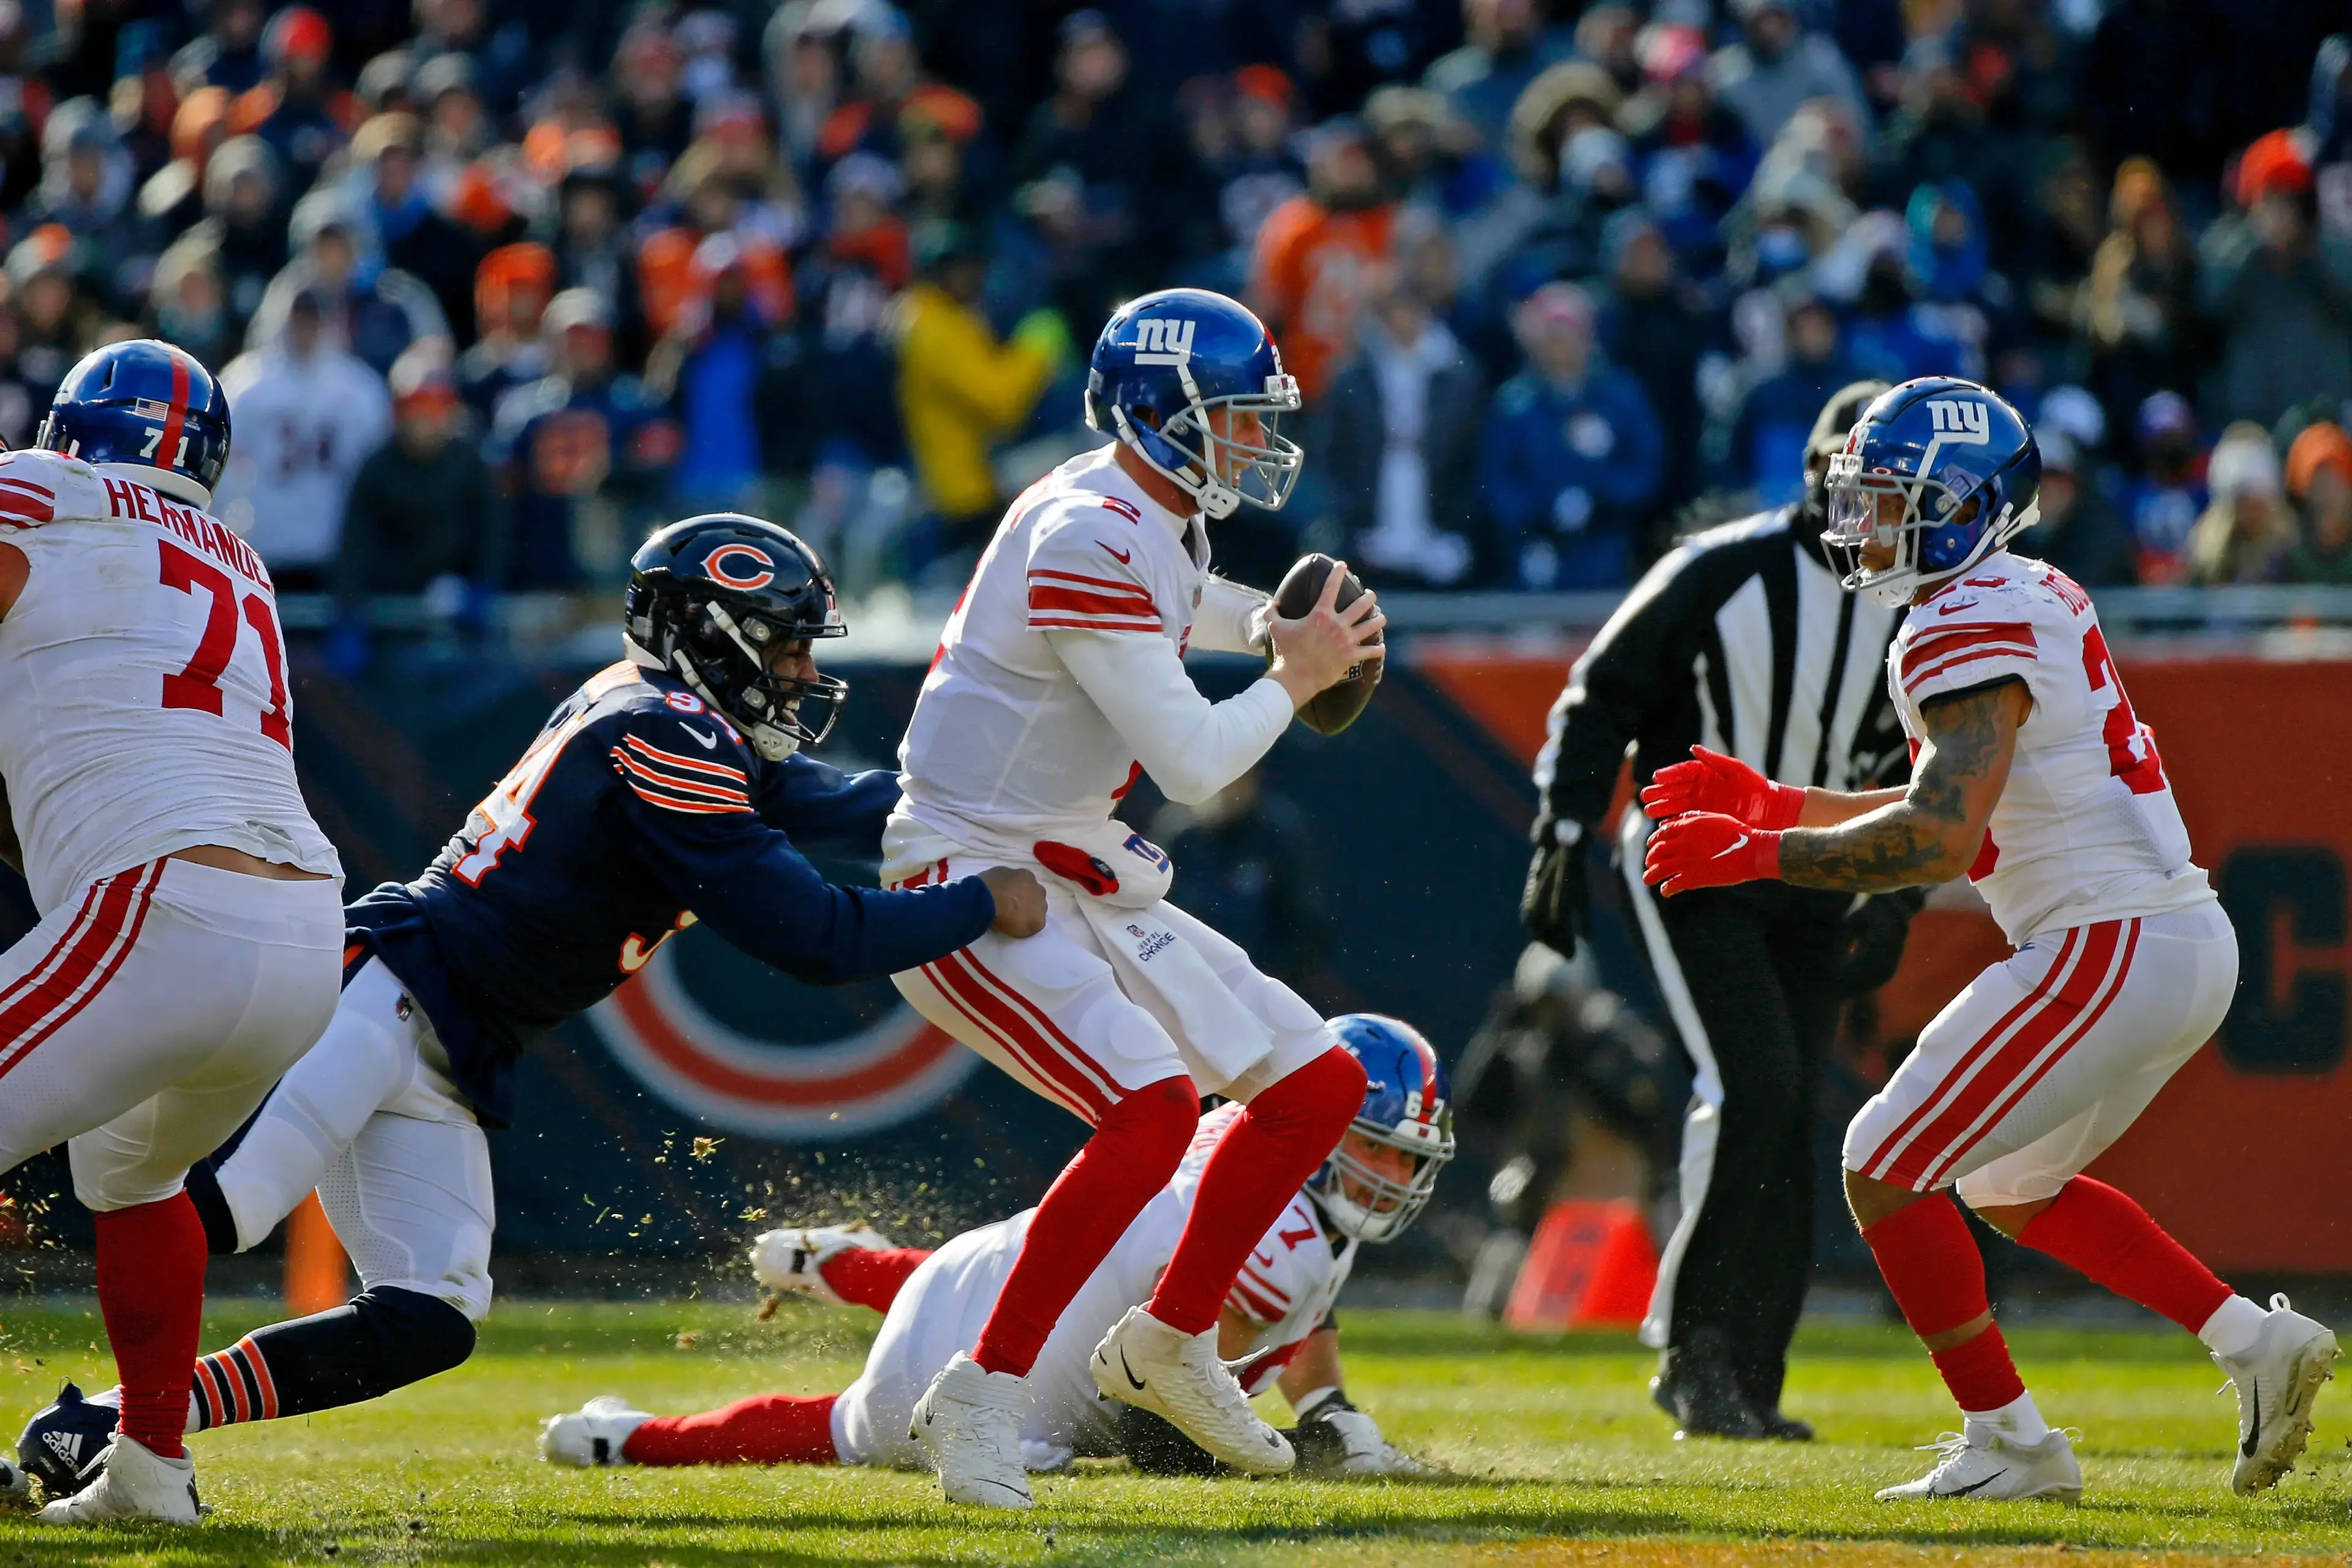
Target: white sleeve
(1232, 618)
(1191, 746)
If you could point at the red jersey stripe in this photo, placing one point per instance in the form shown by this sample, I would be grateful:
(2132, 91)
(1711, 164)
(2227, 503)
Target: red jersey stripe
(1937, 641)
(692, 764)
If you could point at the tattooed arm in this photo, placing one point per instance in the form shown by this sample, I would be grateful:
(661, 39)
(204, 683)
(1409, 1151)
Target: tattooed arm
(1931, 831)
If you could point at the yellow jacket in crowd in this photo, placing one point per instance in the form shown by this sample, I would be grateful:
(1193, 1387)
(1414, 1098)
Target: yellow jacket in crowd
(960, 389)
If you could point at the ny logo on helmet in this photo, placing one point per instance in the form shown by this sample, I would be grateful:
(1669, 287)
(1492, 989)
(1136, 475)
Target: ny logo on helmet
(1961, 424)
(1163, 341)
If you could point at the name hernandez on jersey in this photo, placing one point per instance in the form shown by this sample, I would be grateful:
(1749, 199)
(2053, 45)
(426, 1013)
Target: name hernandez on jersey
(145, 629)
(2086, 827)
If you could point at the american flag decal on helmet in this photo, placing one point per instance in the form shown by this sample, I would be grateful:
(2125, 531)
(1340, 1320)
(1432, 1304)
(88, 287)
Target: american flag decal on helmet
(150, 409)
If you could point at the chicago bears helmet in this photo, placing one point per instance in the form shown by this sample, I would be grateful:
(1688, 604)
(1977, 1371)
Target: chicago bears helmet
(1406, 1106)
(710, 597)
(1943, 471)
(144, 405)
(1162, 363)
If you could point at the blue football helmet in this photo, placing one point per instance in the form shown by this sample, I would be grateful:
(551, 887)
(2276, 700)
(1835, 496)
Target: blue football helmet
(1406, 1106)
(1943, 470)
(1162, 363)
(144, 405)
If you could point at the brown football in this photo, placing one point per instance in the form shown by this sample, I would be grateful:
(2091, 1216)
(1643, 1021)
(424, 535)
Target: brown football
(1334, 707)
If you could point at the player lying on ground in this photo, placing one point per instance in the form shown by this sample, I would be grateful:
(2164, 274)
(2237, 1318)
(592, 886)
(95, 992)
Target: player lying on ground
(667, 783)
(1276, 1324)
(190, 911)
(1059, 680)
(2033, 778)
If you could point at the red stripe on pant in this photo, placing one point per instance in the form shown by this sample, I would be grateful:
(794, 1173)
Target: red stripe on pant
(2070, 1037)
(948, 992)
(1070, 1050)
(2012, 1059)
(962, 987)
(1984, 1043)
(107, 939)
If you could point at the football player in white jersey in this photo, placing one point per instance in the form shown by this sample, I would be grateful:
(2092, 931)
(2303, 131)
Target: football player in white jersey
(190, 942)
(1060, 678)
(1276, 1323)
(2033, 777)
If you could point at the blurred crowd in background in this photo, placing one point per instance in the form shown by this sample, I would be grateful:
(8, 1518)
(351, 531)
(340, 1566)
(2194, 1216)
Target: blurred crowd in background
(495, 285)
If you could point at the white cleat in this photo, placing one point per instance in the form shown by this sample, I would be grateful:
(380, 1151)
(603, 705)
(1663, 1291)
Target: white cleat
(1996, 1470)
(789, 1260)
(135, 1483)
(968, 1422)
(591, 1435)
(1178, 1376)
(16, 1486)
(2277, 1382)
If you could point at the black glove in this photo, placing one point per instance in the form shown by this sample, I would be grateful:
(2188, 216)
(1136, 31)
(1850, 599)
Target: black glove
(1552, 905)
(1870, 940)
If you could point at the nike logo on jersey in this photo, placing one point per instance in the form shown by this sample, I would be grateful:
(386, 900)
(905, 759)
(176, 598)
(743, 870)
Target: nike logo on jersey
(707, 743)
(1265, 1259)
(1121, 556)
(1956, 605)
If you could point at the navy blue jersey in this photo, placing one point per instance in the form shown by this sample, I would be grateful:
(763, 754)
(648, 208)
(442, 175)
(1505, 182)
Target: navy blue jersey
(636, 811)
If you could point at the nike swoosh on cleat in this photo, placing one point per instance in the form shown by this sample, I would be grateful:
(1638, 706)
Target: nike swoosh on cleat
(1978, 1485)
(2254, 1424)
(707, 743)
(1132, 1381)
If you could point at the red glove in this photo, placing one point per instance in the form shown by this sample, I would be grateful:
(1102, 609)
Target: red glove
(1704, 850)
(1713, 782)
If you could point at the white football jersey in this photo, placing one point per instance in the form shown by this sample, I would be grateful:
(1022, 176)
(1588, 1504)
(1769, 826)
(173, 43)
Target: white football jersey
(2086, 828)
(1005, 748)
(303, 429)
(143, 703)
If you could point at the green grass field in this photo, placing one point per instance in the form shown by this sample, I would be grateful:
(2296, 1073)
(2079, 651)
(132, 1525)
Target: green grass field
(1552, 1454)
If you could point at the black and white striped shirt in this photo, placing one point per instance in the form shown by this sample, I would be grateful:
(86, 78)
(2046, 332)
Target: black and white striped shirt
(1739, 639)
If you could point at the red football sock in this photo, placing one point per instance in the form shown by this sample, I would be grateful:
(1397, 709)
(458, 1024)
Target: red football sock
(1254, 1172)
(1134, 1150)
(150, 1289)
(1980, 1373)
(765, 1429)
(1931, 1264)
(866, 1279)
(2101, 1232)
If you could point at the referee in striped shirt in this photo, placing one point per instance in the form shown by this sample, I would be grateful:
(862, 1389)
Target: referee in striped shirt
(1741, 640)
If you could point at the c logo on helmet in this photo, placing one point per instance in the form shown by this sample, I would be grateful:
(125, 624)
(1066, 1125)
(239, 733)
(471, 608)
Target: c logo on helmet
(753, 567)
(890, 1071)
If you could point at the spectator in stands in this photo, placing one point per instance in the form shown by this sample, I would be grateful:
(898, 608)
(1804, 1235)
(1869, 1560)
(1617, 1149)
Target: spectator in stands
(401, 223)
(960, 388)
(2319, 478)
(1696, 154)
(187, 303)
(244, 222)
(1254, 168)
(1776, 65)
(294, 108)
(847, 406)
(172, 200)
(592, 244)
(1128, 159)
(722, 369)
(584, 433)
(1969, 308)
(22, 401)
(2278, 290)
(2079, 531)
(2162, 504)
(227, 53)
(1508, 46)
(87, 183)
(1321, 255)
(307, 412)
(57, 318)
(1658, 328)
(425, 517)
(383, 310)
(2138, 311)
(2248, 529)
(1396, 440)
(1543, 227)
(1571, 454)
(1764, 455)
(511, 288)
(656, 120)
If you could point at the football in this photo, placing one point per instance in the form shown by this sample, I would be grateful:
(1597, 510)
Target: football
(1335, 707)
